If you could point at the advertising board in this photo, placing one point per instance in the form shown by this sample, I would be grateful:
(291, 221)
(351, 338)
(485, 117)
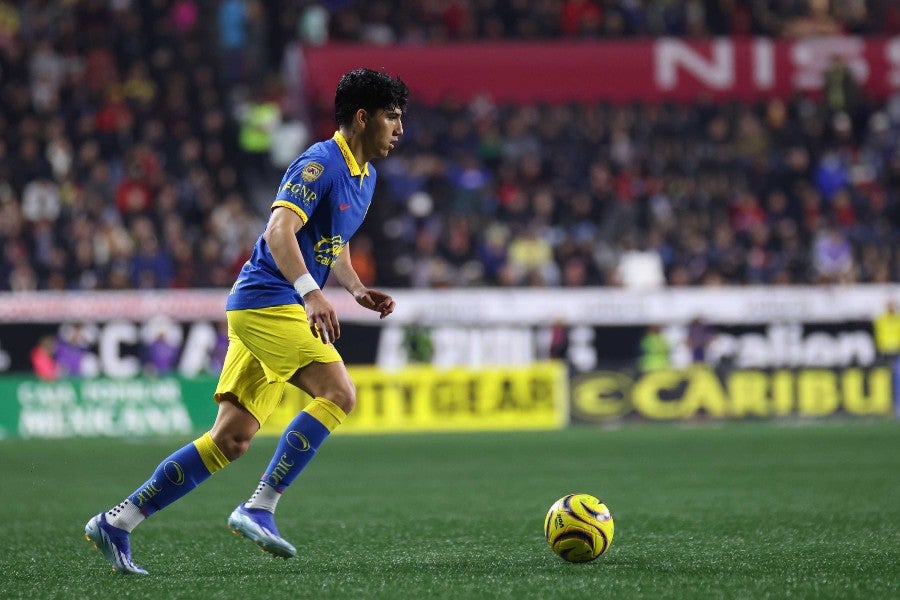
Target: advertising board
(414, 399)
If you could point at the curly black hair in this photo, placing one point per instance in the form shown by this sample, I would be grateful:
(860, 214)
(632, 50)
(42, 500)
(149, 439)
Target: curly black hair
(368, 89)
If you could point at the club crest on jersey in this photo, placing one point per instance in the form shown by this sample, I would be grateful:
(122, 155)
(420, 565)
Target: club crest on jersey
(312, 171)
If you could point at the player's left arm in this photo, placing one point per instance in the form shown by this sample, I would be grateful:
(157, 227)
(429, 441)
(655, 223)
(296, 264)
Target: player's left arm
(346, 275)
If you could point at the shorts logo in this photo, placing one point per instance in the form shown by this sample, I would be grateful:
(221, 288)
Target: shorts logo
(174, 472)
(297, 441)
(312, 171)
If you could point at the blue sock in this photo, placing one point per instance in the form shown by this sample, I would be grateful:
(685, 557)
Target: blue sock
(300, 441)
(178, 474)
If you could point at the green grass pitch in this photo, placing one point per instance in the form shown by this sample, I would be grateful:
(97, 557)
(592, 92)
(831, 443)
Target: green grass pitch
(741, 510)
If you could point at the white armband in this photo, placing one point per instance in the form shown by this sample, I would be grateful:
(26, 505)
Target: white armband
(305, 284)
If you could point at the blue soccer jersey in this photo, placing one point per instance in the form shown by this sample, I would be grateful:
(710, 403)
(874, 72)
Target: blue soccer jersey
(331, 193)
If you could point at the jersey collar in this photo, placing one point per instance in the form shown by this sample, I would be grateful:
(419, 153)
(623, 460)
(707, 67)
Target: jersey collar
(348, 156)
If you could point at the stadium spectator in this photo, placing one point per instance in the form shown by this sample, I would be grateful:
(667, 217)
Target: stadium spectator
(161, 347)
(655, 350)
(42, 359)
(71, 351)
(417, 343)
(580, 18)
(700, 335)
(833, 256)
(183, 16)
(886, 326)
(233, 38)
(219, 349)
(842, 91)
(816, 20)
(260, 119)
(312, 24)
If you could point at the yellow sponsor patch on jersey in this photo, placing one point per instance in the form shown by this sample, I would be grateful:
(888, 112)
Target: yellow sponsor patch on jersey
(312, 171)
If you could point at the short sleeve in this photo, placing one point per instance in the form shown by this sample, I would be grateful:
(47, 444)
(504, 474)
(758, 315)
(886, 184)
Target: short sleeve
(304, 185)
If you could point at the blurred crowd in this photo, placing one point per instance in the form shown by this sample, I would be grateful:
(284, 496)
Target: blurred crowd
(142, 141)
(119, 158)
(435, 21)
(781, 192)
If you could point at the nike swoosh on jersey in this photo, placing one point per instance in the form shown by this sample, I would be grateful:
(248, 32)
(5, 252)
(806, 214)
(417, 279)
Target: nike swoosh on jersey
(344, 206)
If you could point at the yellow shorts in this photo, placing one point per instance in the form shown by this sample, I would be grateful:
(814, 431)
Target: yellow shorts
(266, 346)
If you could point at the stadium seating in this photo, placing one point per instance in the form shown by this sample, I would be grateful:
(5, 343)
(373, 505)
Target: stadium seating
(109, 179)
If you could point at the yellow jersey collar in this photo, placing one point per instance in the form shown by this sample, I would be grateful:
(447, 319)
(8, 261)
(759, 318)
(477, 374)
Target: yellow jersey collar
(348, 156)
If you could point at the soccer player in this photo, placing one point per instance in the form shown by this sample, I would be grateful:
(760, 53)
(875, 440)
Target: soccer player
(281, 327)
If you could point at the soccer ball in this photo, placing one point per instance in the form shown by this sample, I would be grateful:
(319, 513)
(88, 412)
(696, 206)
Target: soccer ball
(578, 527)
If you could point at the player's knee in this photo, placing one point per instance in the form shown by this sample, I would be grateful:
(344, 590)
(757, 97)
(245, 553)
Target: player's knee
(344, 395)
(233, 445)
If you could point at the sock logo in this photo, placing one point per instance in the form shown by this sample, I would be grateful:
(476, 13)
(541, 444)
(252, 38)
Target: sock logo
(297, 441)
(174, 472)
(281, 469)
(146, 493)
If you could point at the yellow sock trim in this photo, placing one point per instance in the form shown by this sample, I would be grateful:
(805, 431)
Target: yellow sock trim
(210, 454)
(326, 412)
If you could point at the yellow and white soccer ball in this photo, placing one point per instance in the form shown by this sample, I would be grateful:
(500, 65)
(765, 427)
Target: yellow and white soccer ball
(579, 527)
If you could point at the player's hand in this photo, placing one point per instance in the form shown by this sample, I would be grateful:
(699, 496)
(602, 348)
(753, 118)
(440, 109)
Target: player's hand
(323, 321)
(375, 300)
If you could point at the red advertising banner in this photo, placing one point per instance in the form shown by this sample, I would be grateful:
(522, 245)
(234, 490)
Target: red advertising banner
(617, 71)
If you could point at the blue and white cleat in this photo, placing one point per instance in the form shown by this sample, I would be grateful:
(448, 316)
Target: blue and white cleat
(113, 544)
(258, 525)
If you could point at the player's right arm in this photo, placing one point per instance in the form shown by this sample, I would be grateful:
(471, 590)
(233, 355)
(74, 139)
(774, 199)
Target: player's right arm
(281, 237)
